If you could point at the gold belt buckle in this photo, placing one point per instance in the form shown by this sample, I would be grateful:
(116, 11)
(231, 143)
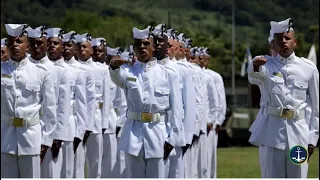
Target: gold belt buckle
(287, 114)
(17, 122)
(146, 117)
(100, 105)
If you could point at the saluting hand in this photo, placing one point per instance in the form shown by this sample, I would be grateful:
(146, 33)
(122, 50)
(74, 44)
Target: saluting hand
(115, 63)
(209, 128)
(259, 61)
(56, 145)
(76, 142)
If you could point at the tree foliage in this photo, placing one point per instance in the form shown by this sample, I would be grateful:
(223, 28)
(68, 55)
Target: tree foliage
(207, 22)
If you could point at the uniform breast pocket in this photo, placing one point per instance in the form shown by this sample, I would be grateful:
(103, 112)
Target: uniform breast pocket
(7, 86)
(162, 95)
(300, 90)
(32, 92)
(276, 85)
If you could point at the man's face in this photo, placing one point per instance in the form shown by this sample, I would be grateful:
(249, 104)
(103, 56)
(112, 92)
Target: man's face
(99, 54)
(54, 48)
(181, 51)
(202, 61)
(38, 47)
(171, 48)
(161, 47)
(195, 59)
(69, 50)
(4, 54)
(84, 51)
(144, 49)
(187, 53)
(285, 43)
(17, 47)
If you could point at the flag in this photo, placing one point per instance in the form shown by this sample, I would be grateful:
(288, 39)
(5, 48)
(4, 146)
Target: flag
(313, 55)
(246, 61)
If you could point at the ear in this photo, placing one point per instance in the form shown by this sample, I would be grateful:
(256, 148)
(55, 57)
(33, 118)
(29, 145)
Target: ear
(295, 42)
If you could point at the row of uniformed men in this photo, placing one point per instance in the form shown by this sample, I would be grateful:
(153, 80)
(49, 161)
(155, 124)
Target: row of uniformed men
(289, 106)
(170, 106)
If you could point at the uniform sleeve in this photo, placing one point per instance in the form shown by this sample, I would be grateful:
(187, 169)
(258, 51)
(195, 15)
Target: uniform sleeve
(121, 105)
(199, 99)
(222, 108)
(189, 100)
(118, 76)
(107, 101)
(80, 106)
(213, 101)
(91, 101)
(177, 110)
(313, 92)
(205, 105)
(256, 77)
(63, 109)
(49, 118)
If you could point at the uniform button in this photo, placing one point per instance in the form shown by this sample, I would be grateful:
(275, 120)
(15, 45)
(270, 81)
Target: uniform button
(145, 89)
(18, 77)
(144, 108)
(17, 86)
(287, 94)
(144, 99)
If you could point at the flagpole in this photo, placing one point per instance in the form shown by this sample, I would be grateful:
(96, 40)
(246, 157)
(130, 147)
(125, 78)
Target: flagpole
(233, 54)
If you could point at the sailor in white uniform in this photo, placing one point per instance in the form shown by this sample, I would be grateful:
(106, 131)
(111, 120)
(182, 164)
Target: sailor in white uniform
(25, 88)
(153, 95)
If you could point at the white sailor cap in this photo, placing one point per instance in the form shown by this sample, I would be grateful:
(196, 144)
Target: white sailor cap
(98, 42)
(188, 42)
(171, 33)
(15, 30)
(205, 51)
(69, 37)
(181, 37)
(38, 32)
(195, 51)
(282, 26)
(3, 42)
(113, 51)
(142, 34)
(160, 29)
(54, 32)
(125, 56)
(80, 38)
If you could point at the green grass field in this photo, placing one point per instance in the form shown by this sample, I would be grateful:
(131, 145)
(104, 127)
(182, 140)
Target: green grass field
(243, 162)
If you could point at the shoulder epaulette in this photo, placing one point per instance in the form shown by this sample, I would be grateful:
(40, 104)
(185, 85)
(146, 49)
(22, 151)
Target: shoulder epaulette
(308, 61)
(41, 67)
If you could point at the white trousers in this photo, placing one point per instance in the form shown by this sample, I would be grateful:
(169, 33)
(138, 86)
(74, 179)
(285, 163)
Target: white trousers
(94, 155)
(67, 160)
(139, 167)
(187, 163)
(79, 162)
(123, 168)
(278, 165)
(176, 164)
(262, 160)
(13, 166)
(194, 159)
(213, 170)
(111, 167)
(203, 157)
(51, 168)
(211, 148)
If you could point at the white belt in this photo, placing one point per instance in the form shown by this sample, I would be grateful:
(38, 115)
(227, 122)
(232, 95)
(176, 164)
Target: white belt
(146, 117)
(285, 113)
(20, 122)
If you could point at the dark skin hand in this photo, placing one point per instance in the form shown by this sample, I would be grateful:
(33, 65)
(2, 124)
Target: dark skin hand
(167, 149)
(185, 148)
(85, 138)
(194, 139)
(209, 128)
(310, 151)
(217, 129)
(56, 145)
(103, 130)
(117, 130)
(76, 142)
(43, 152)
